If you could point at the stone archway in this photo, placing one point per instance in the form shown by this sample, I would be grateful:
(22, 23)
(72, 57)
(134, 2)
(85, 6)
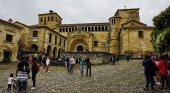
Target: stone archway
(54, 51)
(34, 47)
(79, 45)
(80, 48)
(49, 50)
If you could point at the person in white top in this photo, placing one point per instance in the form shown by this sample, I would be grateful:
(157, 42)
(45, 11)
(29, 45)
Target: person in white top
(47, 64)
(10, 81)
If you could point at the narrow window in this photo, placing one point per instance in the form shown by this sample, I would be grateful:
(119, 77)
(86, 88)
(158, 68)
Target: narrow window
(55, 40)
(9, 38)
(95, 43)
(52, 18)
(50, 37)
(41, 19)
(35, 34)
(60, 42)
(140, 34)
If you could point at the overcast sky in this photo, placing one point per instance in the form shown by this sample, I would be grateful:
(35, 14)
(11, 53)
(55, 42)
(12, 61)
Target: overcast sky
(78, 11)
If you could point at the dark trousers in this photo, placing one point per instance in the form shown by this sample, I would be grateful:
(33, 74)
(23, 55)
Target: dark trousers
(34, 73)
(9, 86)
(149, 80)
(163, 80)
(22, 85)
(88, 71)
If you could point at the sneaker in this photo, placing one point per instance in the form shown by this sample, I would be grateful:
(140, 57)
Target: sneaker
(33, 88)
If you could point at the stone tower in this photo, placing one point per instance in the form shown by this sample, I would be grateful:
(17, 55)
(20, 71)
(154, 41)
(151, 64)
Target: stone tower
(121, 16)
(50, 19)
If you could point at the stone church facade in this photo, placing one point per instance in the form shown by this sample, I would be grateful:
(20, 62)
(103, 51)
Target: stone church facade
(122, 34)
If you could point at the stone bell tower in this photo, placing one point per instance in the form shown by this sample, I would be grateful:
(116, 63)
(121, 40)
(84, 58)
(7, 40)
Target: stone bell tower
(121, 16)
(51, 19)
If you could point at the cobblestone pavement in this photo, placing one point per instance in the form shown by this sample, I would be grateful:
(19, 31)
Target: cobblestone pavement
(125, 77)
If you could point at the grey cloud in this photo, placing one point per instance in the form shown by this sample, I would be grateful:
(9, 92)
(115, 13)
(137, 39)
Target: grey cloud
(78, 11)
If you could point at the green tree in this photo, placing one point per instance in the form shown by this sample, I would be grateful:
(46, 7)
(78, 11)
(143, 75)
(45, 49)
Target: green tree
(161, 34)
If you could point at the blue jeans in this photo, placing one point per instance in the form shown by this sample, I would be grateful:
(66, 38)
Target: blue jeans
(81, 69)
(22, 85)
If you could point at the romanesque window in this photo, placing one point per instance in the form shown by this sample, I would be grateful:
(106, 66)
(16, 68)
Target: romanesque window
(105, 28)
(35, 34)
(140, 34)
(50, 37)
(44, 18)
(88, 28)
(85, 28)
(9, 38)
(95, 43)
(48, 18)
(95, 28)
(72, 28)
(69, 29)
(99, 28)
(64, 43)
(41, 19)
(102, 28)
(55, 40)
(60, 29)
(92, 29)
(66, 29)
(60, 42)
(52, 18)
(82, 28)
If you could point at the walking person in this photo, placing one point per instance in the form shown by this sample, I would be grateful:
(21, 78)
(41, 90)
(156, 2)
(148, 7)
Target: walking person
(117, 59)
(113, 59)
(149, 71)
(81, 67)
(72, 61)
(35, 68)
(47, 64)
(163, 71)
(88, 67)
(67, 64)
(10, 82)
(22, 73)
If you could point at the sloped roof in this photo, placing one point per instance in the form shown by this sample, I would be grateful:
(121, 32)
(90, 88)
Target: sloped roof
(9, 24)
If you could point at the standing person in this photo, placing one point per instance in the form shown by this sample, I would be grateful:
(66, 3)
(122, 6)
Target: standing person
(117, 58)
(35, 68)
(81, 66)
(44, 58)
(113, 59)
(30, 58)
(71, 64)
(163, 71)
(47, 64)
(67, 64)
(127, 57)
(149, 71)
(10, 82)
(22, 73)
(88, 68)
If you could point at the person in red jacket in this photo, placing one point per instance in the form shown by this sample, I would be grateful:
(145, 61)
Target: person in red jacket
(163, 67)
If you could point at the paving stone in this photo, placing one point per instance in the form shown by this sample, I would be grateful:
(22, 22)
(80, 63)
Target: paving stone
(125, 77)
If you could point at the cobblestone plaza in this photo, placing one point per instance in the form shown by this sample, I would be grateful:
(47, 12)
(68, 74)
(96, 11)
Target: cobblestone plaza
(125, 77)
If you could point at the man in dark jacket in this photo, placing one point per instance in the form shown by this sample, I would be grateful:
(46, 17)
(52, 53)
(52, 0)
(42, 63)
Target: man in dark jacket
(88, 68)
(149, 71)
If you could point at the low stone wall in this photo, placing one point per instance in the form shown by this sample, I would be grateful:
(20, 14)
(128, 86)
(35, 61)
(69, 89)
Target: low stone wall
(95, 57)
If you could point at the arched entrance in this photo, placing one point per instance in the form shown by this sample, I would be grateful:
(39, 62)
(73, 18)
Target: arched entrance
(59, 52)
(79, 45)
(80, 48)
(54, 52)
(34, 47)
(48, 50)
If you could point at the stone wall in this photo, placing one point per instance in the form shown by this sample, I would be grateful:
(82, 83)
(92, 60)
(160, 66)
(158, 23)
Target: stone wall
(95, 57)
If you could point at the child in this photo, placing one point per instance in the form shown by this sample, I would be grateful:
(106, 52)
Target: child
(10, 81)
